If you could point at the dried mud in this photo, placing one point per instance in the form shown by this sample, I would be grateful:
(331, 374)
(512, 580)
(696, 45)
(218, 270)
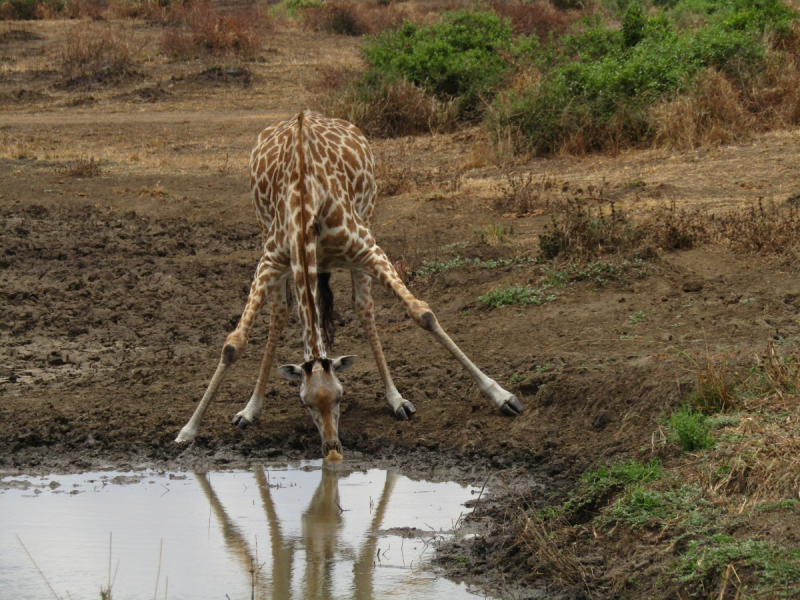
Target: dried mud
(117, 292)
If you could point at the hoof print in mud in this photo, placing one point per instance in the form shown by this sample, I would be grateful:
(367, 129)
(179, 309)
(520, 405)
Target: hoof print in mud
(405, 412)
(512, 407)
(241, 422)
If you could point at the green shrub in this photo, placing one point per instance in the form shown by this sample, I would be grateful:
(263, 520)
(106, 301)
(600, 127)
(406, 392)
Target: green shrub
(465, 56)
(26, 10)
(639, 505)
(691, 428)
(516, 295)
(597, 90)
(597, 484)
(778, 568)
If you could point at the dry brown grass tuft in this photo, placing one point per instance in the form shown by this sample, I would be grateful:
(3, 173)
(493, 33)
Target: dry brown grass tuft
(715, 392)
(584, 227)
(765, 227)
(522, 193)
(548, 543)
(149, 10)
(82, 167)
(719, 111)
(712, 113)
(396, 109)
(540, 17)
(97, 54)
(199, 28)
(758, 457)
(354, 18)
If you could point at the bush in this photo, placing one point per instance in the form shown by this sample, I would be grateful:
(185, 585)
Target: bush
(381, 108)
(542, 18)
(26, 10)
(598, 89)
(352, 18)
(464, 57)
(95, 54)
(691, 429)
(207, 31)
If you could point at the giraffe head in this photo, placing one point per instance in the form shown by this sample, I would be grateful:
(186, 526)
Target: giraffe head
(321, 392)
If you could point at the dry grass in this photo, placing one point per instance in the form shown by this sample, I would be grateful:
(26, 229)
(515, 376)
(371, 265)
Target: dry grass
(543, 18)
(354, 18)
(761, 460)
(396, 109)
(712, 113)
(592, 226)
(548, 543)
(764, 227)
(715, 392)
(81, 167)
(97, 54)
(522, 193)
(717, 111)
(200, 29)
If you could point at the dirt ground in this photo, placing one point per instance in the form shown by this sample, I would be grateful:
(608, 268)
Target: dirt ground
(117, 290)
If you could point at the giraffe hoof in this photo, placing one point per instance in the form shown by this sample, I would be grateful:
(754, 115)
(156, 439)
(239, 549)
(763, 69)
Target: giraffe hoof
(241, 422)
(512, 407)
(404, 412)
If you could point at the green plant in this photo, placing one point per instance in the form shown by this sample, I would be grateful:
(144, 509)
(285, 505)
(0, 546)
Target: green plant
(597, 90)
(637, 317)
(516, 378)
(640, 505)
(596, 485)
(494, 234)
(516, 295)
(691, 429)
(777, 567)
(462, 57)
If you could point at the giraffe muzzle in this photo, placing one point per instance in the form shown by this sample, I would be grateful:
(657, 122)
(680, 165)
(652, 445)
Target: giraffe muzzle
(329, 445)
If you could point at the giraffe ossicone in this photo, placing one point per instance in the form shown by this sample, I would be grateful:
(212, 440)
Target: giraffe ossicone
(313, 190)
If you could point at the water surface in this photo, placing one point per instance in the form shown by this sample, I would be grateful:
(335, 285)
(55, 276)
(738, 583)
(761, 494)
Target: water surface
(304, 531)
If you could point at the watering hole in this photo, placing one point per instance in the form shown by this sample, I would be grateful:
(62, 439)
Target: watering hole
(305, 531)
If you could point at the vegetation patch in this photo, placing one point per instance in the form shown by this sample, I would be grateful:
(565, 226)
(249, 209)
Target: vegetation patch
(198, 28)
(712, 506)
(601, 88)
(776, 568)
(341, 17)
(553, 278)
(97, 54)
(458, 62)
(691, 428)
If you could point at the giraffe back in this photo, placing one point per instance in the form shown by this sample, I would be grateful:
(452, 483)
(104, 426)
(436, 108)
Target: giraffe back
(339, 170)
(313, 191)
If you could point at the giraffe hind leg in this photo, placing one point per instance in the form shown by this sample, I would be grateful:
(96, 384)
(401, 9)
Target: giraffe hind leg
(364, 307)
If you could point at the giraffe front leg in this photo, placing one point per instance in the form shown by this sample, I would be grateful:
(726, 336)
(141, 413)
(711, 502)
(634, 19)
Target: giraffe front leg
(233, 348)
(279, 314)
(362, 300)
(378, 265)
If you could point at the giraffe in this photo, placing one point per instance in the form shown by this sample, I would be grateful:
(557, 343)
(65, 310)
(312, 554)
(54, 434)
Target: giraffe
(313, 190)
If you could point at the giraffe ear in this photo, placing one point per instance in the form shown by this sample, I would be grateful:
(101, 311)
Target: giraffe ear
(292, 372)
(343, 362)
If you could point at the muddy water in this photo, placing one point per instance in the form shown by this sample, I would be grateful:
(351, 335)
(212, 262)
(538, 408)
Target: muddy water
(307, 531)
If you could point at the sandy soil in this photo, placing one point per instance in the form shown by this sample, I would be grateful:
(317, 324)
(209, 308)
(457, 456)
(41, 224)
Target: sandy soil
(117, 291)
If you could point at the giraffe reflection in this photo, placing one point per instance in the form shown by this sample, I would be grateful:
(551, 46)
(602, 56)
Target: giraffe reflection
(322, 524)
